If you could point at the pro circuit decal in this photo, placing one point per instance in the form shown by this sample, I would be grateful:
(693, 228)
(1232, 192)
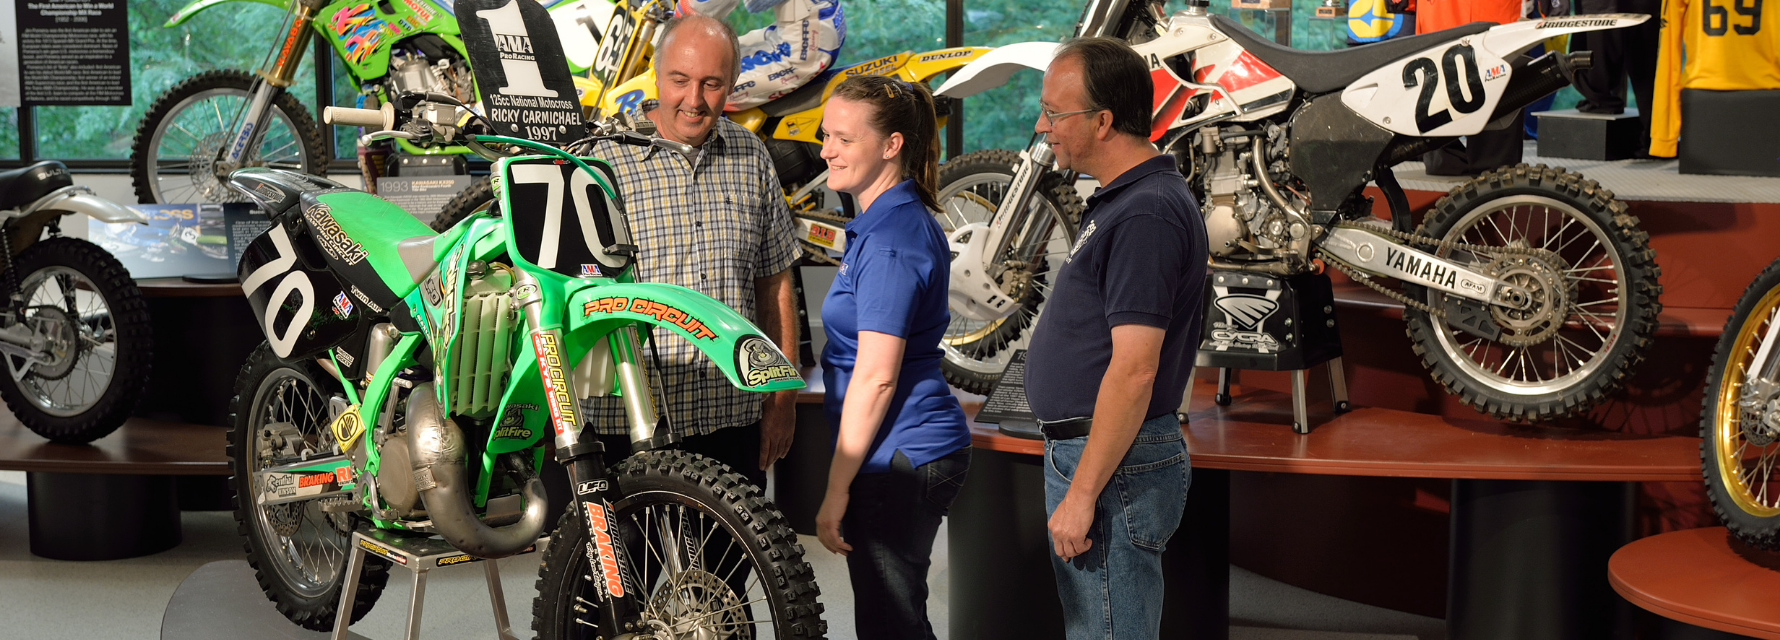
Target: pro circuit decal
(332, 239)
(556, 388)
(760, 363)
(457, 559)
(342, 306)
(382, 551)
(599, 550)
(663, 312)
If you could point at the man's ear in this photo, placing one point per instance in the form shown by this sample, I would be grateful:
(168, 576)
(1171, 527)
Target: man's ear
(893, 145)
(1103, 125)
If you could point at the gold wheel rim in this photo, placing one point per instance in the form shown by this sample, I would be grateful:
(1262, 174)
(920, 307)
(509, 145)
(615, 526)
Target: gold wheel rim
(1727, 432)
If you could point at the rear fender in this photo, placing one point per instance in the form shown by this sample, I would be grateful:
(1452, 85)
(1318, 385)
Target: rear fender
(78, 199)
(1509, 40)
(750, 360)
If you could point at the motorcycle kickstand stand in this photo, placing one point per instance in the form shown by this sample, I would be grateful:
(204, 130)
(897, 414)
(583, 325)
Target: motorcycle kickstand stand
(420, 555)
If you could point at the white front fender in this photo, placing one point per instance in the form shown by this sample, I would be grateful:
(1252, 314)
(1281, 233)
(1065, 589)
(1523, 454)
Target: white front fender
(995, 67)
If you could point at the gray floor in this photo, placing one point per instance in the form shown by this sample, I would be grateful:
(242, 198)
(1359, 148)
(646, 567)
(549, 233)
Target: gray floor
(127, 599)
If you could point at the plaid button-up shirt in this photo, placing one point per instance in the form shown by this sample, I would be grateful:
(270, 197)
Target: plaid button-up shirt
(715, 226)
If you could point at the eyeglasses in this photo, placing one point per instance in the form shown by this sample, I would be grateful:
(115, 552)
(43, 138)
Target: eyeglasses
(1051, 117)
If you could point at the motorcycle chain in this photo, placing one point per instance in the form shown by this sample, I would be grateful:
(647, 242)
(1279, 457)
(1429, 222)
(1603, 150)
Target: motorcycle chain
(1353, 273)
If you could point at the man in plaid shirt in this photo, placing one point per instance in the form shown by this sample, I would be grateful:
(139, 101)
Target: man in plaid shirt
(715, 222)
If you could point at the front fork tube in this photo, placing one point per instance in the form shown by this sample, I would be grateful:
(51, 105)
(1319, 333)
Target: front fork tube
(1011, 222)
(633, 378)
(608, 561)
(250, 127)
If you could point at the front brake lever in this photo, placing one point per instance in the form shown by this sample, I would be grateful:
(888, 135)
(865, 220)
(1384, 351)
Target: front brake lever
(384, 135)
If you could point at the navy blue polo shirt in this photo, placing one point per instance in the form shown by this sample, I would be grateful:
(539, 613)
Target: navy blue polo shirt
(893, 280)
(1138, 259)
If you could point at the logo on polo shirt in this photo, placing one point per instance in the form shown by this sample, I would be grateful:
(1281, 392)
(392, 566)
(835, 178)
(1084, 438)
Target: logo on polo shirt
(1081, 240)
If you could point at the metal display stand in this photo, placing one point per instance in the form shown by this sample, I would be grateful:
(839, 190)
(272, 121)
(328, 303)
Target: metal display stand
(419, 555)
(1261, 322)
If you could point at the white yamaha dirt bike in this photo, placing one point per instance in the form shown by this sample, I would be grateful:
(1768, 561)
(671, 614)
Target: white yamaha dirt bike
(1531, 292)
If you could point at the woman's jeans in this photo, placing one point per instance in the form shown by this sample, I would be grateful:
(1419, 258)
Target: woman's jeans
(1114, 591)
(890, 522)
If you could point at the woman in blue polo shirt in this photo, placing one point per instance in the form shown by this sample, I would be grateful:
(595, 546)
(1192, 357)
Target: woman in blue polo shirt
(901, 445)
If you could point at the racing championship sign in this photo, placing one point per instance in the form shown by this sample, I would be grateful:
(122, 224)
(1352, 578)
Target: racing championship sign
(524, 79)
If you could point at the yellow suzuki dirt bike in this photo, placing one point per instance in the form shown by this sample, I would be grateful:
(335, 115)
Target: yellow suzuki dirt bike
(622, 79)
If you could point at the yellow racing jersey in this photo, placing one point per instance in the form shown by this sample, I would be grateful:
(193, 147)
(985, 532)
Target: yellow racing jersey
(1720, 45)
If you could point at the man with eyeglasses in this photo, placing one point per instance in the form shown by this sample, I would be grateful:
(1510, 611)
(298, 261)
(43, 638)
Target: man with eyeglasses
(1114, 349)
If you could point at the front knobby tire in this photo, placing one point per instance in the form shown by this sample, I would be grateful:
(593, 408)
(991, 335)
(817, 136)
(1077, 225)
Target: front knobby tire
(1738, 445)
(298, 552)
(173, 156)
(673, 497)
(1595, 305)
(101, 343)
(971, 188)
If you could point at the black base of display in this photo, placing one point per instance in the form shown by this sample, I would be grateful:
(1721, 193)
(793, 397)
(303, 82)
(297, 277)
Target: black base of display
(78, 516)
(1731, 133)
(1001, 581)
(1529, 560)
(1588, 136)
(200, 345)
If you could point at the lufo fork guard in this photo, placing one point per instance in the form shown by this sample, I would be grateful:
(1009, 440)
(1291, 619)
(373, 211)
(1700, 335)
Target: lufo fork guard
(1531, 292)
(496, 328)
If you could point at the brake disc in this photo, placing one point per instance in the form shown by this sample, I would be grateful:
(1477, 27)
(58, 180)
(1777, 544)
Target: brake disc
(697, 605)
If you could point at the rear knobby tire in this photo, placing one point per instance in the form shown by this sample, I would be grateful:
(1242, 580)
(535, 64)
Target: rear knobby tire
(697, 493)
(971, 186)
(1736, 451)
(302, 567)
(82, 401)
(1576, 214)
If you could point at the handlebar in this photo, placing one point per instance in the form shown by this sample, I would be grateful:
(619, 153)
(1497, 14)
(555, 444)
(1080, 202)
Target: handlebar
(377, 119)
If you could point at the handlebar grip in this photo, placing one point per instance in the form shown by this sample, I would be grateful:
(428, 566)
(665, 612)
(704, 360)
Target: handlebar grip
(379, 119)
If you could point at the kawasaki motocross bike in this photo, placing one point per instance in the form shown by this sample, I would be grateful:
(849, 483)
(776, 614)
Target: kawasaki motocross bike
(203, 128)
(410, 378)
(1740, 418)
(1531, 293)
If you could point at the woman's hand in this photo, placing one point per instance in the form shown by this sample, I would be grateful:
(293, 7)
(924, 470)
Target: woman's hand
(828, 522)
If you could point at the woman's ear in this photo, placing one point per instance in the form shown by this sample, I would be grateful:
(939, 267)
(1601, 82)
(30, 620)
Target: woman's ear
(892, 145)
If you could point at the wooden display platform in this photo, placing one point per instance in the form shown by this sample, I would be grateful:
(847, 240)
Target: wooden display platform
(1254, 434)
(1702, 577)
(140, 447)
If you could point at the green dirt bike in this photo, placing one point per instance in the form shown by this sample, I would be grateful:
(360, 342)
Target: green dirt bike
(213, 123)
(409, 378)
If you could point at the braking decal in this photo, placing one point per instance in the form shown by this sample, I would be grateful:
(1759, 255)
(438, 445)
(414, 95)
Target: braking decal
(599, 527)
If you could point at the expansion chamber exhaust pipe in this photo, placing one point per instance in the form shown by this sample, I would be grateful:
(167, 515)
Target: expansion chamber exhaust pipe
(1530, 81)
(437, 447)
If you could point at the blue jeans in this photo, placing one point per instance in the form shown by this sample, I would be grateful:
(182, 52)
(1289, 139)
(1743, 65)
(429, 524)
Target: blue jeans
(891, 520)
(1114, 591)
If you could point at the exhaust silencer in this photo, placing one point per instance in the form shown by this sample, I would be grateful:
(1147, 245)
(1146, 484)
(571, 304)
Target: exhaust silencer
(1535, 79)
(437, 448)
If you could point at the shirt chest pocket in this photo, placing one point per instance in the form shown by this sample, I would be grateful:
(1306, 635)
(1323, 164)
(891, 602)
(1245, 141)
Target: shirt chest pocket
(733, 226)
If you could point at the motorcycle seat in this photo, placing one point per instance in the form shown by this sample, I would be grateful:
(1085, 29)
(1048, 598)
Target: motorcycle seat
(20, 187)
(398, 246)
(1319, 72)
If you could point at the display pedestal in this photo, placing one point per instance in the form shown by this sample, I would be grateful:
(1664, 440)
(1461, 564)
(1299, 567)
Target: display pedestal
(80, 516)
(1730, 133)
(1704, 583)
(1589, 136)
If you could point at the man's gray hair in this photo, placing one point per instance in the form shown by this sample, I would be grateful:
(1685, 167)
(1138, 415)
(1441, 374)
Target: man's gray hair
(735, 45)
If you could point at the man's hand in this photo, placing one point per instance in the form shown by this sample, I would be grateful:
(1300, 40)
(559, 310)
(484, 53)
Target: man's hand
(778, 423)
(828, 522)
(1069, 527)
